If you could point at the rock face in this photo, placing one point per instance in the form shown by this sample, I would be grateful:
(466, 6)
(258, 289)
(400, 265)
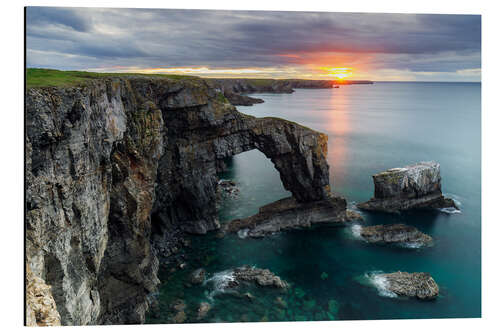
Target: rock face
(394, 233)
(419, 285)
(286, 214)
(413, 186)
(117, 168)
(41, 308)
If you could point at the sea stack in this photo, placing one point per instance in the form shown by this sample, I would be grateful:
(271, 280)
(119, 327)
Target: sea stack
(411, 187)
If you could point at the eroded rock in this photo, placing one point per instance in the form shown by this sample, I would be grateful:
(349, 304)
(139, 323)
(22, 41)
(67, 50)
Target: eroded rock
(419, 285)
(394, 233)
(410, 187)
(263, 277)
(286, 214)
(119, 168)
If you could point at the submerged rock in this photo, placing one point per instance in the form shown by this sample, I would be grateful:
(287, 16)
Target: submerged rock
(288, 214)
(197, 276)
(419, 285)
(394, 233)
(203, 309)
(413, 186)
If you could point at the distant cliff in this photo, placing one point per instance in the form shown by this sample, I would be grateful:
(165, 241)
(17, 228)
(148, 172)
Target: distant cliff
(234, 88)
(118, 166)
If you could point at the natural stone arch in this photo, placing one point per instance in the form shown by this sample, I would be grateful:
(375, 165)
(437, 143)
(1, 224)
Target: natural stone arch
(186, 198)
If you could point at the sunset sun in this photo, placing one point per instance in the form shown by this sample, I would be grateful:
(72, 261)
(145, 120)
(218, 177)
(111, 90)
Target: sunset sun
(339, 73)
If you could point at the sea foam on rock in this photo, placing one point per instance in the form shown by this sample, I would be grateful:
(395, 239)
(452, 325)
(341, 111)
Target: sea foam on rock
(419, 285)
(411, 187)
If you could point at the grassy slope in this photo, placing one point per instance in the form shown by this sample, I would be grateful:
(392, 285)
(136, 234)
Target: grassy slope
(39, 77)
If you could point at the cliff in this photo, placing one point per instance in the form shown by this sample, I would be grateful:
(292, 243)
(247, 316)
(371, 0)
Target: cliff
(118, 167)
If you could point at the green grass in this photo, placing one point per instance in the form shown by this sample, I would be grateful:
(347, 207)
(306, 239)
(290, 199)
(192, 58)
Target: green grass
(261, 82)
(41, 77)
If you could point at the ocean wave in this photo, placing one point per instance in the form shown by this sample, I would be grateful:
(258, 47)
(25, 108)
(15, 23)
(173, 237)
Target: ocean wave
(412, 245)
(219, 282)
(356, 231)
(380, 283)
(352, 206)
(450, 210)
(243, 233)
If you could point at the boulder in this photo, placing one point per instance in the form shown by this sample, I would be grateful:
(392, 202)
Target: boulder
(203, 310)
(411, 187)
(394, 233)
(419, 285)
(262, 277)
(197, 276)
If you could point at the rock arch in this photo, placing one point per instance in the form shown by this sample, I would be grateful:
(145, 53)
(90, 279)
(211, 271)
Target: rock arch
(199, 136)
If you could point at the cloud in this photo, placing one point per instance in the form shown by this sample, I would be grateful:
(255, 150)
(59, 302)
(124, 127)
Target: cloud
(81, 38)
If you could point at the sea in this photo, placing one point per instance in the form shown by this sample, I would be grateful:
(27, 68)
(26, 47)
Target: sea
(331, 271)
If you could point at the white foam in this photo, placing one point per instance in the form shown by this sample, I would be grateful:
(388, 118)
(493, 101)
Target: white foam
(412, 245)
(243, 233)
(356, 231)
(381, 283)
(450, 210)
(219, 282)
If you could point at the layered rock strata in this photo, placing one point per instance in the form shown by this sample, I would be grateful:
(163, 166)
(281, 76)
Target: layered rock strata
(119, 168)
(394, 233)
(287, 214)
(411, 187)
(419, 285)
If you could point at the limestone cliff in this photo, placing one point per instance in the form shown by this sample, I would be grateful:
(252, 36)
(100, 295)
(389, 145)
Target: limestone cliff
(118, 167)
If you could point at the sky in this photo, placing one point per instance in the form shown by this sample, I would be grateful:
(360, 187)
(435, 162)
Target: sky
(308, 45)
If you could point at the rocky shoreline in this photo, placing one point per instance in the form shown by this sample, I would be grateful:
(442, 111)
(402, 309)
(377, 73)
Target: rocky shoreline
(234, 89)
(119, 169)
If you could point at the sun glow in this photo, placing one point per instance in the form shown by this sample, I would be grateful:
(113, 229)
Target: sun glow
(339, 73)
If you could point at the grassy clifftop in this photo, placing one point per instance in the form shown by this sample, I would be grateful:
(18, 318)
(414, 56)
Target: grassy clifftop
(40, 77)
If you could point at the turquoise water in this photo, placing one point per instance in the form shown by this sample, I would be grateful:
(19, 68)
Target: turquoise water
(370, 128)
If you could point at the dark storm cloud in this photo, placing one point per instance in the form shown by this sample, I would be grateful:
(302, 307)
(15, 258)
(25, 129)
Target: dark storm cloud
(78, 38)
(41, 16)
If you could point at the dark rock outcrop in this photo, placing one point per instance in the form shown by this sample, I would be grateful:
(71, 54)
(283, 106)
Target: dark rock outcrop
(419, 285)
(411, 187)
(286, 214)
(394, 233)
(237, 99)
(117, 169)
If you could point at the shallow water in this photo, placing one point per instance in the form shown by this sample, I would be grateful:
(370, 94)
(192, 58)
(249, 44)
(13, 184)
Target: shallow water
(371, 128)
